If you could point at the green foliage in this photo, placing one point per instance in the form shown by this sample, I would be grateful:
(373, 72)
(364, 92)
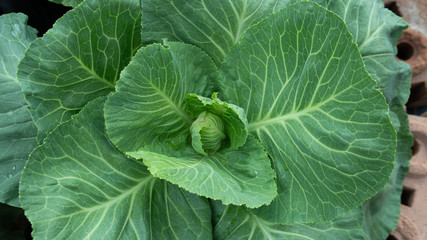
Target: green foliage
(236, 120)
(148, 105)
(297, 119)
(238, 223)
(234, 117)
(69, 3)
(376, 31)
(242, 176)
(96, 192)
(17, 130)
(214, 26)
(207, 133)
(147, 119)
(79, 59)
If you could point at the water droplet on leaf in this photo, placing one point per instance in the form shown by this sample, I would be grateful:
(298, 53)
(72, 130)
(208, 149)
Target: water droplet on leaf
(16, 30)
(9, 175)
(256, 172)
(13, 168)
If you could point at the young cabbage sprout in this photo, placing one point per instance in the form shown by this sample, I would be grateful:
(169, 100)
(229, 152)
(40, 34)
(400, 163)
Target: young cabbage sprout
(207, 133)
(215, 121)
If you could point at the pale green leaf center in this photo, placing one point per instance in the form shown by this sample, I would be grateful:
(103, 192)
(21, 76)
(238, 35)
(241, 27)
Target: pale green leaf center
(207, 132)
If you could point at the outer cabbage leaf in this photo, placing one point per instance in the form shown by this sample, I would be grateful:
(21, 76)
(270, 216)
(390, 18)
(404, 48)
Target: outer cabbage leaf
(234, 117)
(214, 26)
(79, 59)
(242, 176)
(376, 31)
(17, 130)
(148, 106)
(78, 186)
(232, 223)
(382, 211)
(68, 3)
(316, 110)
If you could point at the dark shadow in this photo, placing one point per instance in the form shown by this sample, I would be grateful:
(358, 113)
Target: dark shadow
(405, 51)
(407, 197)
(392, 6)
(41, 13)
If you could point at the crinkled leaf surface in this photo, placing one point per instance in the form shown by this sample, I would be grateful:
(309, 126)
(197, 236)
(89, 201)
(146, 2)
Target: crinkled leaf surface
(382, 211)
(149, 109)
(17, 130)
(78, 186)
(376, 31)
(316, 110)
(214, 26)
(68, 3)
(79, 59)
(232, 223)
(242, 176)
(148, 106)
(234, 117)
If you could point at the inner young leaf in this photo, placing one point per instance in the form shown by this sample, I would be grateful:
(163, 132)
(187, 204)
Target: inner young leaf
(207, 133)
(232, 116)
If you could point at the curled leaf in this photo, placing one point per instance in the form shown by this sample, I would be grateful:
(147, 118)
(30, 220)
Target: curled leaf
(234, 117)
(207, 133)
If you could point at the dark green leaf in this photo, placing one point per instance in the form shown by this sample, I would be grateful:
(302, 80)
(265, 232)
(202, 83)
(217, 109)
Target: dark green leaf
(17, 130)
(214, 26)
(79, 59)
(376, 31)
(68, 3)
(316, 110)
(78, 186)
(237, 223)
(382, 211)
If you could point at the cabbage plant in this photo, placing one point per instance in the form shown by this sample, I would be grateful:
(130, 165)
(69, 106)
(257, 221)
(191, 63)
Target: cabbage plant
(175, 119)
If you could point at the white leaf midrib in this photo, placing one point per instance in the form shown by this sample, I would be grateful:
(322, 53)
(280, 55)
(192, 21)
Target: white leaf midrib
(107, 204)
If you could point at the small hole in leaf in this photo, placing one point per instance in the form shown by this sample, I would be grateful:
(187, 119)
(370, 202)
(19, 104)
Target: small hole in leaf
(392, 6)
(416, 147)
(391, 237)
(405, 51)
(407, 197)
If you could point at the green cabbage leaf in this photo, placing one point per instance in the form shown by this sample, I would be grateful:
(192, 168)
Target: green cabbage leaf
(79, 59)
(17, 130)
(77, 185)
(237, 120)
